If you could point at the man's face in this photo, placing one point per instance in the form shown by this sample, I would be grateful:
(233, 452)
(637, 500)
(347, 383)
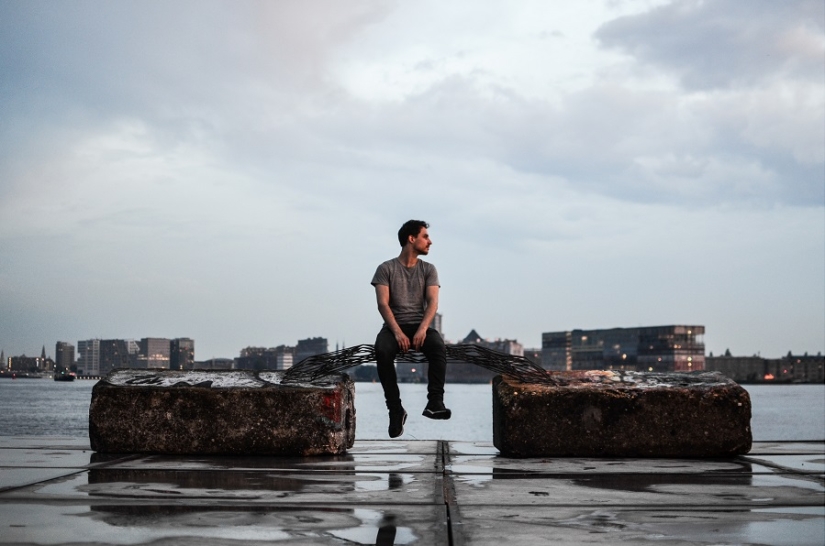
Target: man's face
(421, 243)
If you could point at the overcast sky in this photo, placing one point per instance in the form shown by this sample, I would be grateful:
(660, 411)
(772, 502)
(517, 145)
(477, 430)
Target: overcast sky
(235, 171)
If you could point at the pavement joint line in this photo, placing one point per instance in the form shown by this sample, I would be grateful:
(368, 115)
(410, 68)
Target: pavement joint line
(785, 469)
(454, 520)
(4, 491)
(105, 464)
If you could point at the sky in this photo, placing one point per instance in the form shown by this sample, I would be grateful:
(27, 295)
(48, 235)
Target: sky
(235, 171)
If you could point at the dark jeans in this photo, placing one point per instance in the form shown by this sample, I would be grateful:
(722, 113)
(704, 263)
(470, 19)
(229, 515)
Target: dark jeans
(386, 348)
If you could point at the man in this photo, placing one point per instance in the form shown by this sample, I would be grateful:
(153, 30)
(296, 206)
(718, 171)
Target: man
(407, 292)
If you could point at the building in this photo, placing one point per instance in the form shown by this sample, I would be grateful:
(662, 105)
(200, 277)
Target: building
(64, 356)
(804, 368)
(28, 364)
(310, 347)
(182, 354)
(533, 355)
(653, 348)
(506, 346)
(742, 369)
(755, 369)
(115, 354)
(437, 323)
(463, 372)
(153, 352)
(256, 358)
(260, 358)
(88, 362)
(284, 357)
(216, 364)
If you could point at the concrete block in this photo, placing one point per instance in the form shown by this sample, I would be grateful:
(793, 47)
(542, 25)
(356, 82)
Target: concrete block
(221, 413)
(622, 414)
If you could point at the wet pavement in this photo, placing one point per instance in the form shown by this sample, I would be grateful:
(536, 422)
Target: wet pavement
(55, 490)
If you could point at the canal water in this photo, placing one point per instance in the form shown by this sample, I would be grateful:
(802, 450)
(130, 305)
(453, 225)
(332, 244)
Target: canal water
(45, 407)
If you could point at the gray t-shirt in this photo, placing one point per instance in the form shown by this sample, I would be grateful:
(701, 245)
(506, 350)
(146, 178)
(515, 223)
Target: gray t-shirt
(408, 288)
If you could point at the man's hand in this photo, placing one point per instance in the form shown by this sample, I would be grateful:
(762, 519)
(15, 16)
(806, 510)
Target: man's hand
(418, 338)
(403, 341)
(382, 294)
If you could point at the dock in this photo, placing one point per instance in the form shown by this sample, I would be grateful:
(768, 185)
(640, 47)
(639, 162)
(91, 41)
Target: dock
(55, 490)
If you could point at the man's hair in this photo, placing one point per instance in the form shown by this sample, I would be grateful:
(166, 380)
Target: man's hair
(410, 227)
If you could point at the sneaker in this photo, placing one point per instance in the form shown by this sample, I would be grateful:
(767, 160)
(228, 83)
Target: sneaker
(397, 419)
(436, 410)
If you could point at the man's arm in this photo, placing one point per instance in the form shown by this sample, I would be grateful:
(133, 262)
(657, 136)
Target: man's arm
(429, 314)
(382, 294)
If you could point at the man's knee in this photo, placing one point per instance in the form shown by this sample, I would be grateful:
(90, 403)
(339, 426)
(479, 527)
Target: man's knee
(434, 341)
(385, 346)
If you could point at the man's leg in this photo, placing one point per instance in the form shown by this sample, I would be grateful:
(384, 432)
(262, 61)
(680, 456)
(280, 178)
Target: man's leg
(385, 350)
(436, 353)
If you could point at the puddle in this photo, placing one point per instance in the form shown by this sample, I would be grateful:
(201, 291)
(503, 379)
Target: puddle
(376, 528)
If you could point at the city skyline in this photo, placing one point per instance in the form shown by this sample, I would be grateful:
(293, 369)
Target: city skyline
(235, 171)
(465, 339)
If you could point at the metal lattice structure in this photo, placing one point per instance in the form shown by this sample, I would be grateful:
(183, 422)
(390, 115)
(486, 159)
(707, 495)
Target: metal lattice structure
(518, 367)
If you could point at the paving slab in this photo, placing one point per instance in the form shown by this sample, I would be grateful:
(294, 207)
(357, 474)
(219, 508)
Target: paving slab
(562, 466)
(528, 526)
(423, 447)
(56, 524)
(786, 448)
(811, 463)
(246, 486)
(758, 448)
(639, 490)
(44, 458)
(473, 448)
(355, 462)
(49, 442)
(416, 492)
(12, 478)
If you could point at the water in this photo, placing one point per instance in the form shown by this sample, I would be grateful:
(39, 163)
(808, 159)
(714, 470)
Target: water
(45, 407)
(37, 407)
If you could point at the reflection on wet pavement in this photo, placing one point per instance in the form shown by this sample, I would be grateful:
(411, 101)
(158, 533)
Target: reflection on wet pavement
(421, 492)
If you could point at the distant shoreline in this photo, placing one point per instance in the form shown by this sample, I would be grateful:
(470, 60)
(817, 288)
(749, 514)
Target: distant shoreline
(24, 375)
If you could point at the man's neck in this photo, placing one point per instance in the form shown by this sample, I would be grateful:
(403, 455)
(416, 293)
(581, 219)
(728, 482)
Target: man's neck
(408, 256)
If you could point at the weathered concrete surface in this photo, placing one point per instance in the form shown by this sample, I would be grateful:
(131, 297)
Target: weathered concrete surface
(408, 492)
(220, 412)
(622, 414)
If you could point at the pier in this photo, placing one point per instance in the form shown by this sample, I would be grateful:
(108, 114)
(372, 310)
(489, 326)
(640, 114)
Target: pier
(55, 490)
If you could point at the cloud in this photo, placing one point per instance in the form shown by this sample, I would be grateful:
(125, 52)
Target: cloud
(234, 171)
(725, 43)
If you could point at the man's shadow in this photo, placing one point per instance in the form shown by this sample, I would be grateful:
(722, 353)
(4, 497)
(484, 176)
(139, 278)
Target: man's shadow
(386, 533)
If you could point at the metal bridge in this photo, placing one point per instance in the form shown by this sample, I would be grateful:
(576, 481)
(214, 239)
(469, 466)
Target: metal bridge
(518, 367)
